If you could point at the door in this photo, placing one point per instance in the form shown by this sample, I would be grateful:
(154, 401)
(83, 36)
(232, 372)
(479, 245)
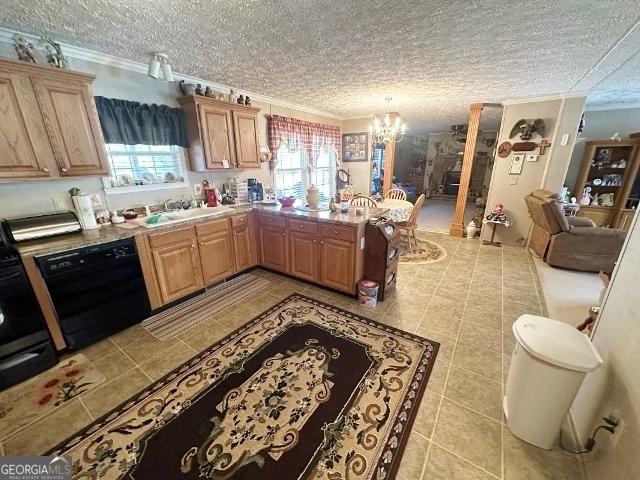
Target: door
(243, 248)
(274, 248)
(217, 138)
(304, 261)
(216, 257)
(336, 264)
(24, 144)
(72, 121)
(246, 139)
(178, 270)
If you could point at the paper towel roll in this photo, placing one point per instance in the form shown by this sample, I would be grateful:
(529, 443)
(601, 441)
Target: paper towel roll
(84, 210)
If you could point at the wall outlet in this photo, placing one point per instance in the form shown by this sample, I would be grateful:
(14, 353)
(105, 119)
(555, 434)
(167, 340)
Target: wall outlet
(615, 437)
(60, 204)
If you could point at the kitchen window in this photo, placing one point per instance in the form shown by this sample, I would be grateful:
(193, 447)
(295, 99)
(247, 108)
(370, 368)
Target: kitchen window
(143, 167)
(293, 177)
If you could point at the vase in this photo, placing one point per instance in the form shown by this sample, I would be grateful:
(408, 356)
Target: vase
(313, 197)
(471, 229)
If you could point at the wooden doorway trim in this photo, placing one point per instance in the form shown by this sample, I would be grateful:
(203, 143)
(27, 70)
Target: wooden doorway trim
(457, 226)
(389, 159)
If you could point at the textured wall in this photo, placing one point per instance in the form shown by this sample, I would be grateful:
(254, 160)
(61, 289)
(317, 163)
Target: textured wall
(23, 198)
(602, 124)
(615, 388)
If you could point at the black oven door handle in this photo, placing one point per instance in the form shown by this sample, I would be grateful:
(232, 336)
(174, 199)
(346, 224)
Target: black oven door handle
(12, 362)
(1, 317)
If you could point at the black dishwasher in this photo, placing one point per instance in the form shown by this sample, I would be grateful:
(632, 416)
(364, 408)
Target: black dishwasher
(96, 290)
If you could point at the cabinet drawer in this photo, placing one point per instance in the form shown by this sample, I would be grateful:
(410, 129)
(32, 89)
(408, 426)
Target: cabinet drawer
(157, 240)
(240, 220)
(303, 226)
(214, 227)
(338, 232)
(274, 220)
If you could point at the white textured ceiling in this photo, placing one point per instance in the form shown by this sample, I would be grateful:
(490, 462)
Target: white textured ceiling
(344, 57)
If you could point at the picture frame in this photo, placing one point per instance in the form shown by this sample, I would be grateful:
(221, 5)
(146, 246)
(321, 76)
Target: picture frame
(355, 147)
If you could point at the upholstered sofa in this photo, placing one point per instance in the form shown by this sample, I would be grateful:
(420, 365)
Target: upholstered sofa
(570, 242)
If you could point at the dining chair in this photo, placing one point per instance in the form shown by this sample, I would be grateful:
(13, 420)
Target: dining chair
(396, 194)
(346, 195)
(412, 223)
(362, 201)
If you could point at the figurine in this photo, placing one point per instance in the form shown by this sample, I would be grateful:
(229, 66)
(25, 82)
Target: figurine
(24, 49)
(231, 96)
(241, 100)
(497, 215)
(199, 90)
(187, 89)
(208, 92)
(586, 196)
(332, 205)
(247, 101)
(55, 56)
(594, 199)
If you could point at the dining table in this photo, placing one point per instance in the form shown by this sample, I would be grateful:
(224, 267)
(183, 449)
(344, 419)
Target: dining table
(398, 210)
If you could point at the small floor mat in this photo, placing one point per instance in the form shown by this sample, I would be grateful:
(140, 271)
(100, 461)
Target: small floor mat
(176, 320)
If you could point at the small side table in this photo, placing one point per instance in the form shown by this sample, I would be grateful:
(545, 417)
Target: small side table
(493, 232)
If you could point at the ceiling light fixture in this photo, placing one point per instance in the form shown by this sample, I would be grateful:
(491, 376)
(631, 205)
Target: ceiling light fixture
(390, 129)
(160, 61)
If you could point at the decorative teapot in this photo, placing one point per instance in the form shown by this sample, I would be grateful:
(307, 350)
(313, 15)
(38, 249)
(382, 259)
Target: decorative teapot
(187, 89)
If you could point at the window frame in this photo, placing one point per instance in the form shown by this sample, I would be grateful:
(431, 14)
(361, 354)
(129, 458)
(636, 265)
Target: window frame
(306, 174)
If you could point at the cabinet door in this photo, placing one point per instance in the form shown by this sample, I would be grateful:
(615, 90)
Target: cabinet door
(216, 256)
(178, 270)
(217, 137)
(336, 264)
(274, 248)
(304, 260)
(74, 129)
(243, 247)
(24, 144)
(246, 139)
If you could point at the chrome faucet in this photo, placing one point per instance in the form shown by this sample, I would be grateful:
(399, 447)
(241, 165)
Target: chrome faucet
(165, 205)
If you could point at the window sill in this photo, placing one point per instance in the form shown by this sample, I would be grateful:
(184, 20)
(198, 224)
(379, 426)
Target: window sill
(145, 188)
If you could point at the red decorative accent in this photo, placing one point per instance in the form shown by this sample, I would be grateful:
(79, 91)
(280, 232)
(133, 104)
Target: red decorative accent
(44, 400)
(52, 383)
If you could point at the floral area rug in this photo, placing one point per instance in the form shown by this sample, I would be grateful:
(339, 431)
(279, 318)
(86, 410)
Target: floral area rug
(425, 252)
(303, 391)
(28, 401)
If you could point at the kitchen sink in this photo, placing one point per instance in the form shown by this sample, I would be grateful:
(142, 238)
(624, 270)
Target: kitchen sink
(178, 216)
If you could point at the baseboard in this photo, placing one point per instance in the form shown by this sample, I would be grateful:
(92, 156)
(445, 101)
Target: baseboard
(578, 443)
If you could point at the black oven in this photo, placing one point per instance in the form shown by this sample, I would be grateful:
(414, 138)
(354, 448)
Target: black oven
(96, 291)
(25, 345)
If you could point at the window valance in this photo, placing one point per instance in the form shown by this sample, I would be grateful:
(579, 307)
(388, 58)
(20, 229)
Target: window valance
(133, 123)
(299, 134)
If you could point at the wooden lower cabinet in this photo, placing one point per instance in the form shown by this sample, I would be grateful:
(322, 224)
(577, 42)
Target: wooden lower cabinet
(337, 259)
(243, 246)
(304, 259)
(177, 267)
(273, 247)
(216, 257)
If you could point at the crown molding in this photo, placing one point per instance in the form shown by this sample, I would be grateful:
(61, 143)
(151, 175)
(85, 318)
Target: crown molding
(79, 53)
(543, 98)
(611, 106)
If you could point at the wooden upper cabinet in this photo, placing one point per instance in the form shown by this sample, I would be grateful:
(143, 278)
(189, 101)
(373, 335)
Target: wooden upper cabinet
(22, 151)
(217, 136)
(74, 129)
(48, 123)
(246, 138)
(218, 131)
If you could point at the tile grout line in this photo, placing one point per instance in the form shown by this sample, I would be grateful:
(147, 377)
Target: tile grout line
(134, 362)
(502, 385)
(444, 387)
(86, 409)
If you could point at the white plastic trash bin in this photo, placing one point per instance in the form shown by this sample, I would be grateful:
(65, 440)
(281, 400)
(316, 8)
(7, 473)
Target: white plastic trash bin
(549, 363)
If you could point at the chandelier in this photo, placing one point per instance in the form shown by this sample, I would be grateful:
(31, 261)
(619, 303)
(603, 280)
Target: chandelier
(389, 129)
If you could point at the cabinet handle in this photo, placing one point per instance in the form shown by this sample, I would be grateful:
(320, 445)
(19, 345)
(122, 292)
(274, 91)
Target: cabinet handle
(235, 233)
(270, 219)
(284, 234)
(321, 242)
(301, 226)
(335, 232)
(64, 170)
(45, 169)
(193, 245)
(200, 243)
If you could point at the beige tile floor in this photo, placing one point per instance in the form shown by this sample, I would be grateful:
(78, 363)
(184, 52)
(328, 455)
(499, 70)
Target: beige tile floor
(467, 302)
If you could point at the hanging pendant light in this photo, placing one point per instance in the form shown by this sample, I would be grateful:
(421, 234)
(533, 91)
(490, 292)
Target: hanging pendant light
(387, 131)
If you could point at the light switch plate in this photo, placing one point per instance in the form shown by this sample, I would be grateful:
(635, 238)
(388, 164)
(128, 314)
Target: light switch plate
(513, 179)
(531, 157)
(59, 204)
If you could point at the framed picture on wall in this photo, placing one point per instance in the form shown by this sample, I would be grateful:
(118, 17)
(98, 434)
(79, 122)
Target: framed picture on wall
(355, 147)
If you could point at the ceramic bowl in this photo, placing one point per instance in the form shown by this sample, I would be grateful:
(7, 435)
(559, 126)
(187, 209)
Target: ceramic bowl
(287, 201)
